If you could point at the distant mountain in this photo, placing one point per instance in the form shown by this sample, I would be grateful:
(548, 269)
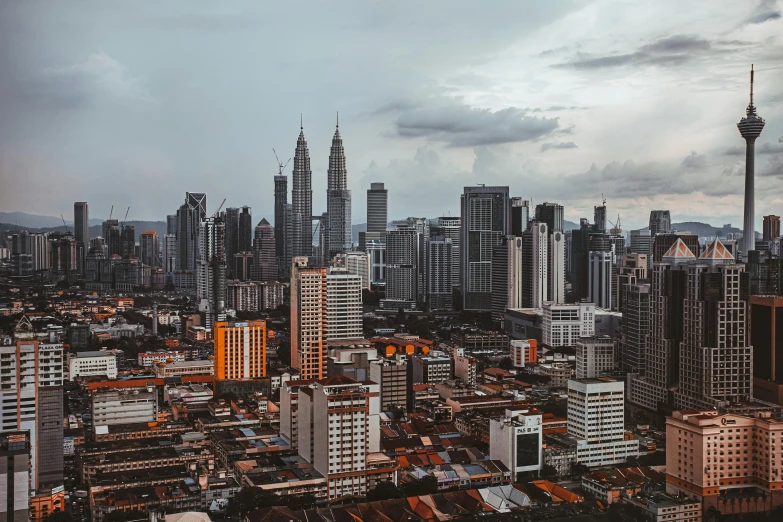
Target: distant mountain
(569, 225)
(704, 229)
(95, 230)
(37, 221)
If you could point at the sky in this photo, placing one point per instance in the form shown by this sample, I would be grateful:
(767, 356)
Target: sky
(134, 103)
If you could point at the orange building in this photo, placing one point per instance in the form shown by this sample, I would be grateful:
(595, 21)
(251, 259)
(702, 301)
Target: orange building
(240, 350)
(524, 352)
(730, 462)
(308, 319)
(46, 502)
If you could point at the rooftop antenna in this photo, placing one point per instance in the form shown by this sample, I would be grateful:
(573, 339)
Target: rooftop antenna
(338, 116)
(111, 211)
(751, 85)
(301, 120)
(280, 166)
(603, 199)
(481, 184)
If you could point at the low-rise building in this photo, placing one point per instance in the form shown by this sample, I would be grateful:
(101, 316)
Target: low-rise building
(179, 369)
(524, 352)
(85, 364)
(665, 508)
(147, 359)
(515, 439)
(122, 406)
(611, 486)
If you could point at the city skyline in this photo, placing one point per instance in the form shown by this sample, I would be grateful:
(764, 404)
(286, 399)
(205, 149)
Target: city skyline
(646, 117)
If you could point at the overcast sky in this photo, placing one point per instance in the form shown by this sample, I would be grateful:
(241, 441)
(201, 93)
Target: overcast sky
(134, 103)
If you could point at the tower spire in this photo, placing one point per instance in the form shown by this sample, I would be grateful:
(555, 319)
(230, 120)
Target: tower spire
(751, 85)
(338, 112)
(301, 121)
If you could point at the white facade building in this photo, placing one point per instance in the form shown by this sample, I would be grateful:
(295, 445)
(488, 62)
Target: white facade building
(357, 263)
(124, 407)
(516, 439)
(564, 324)
(84, 364)
(376, 249)
(596, 418)
(556, 268)
(536, 247)
(594, 356)
(600, 277)
(343, 305)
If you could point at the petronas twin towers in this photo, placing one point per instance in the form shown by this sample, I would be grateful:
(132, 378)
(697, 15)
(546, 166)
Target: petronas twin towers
(336, 223)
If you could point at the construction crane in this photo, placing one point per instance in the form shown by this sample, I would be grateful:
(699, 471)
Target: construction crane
(616, 228)
(126, 217)
(280, 165)
(221, 206)
(111, 211)
(66, 226)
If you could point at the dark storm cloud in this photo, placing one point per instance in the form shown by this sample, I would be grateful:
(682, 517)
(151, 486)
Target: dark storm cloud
(558, 145)
(674, 50)
(459, 125)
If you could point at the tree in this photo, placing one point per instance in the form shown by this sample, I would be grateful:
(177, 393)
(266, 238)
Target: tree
(59, 516)
(249, 499)
(505, 363)
(548, 471)
(632, 462)
(578, 469)
(424, 486)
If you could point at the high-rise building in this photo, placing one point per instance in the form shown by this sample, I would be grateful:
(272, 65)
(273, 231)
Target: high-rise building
(552, 214)
(520, 216)
(632, 269)
(308, 319)
(766, 336)
(376, 250)
(338, 200)
(282, 224)
(599, 218)
(516, 439)
(245, 231)
(357, 263)
(111, 234)
(302, 199)
(15, 448)
(750, 127)
(556, 274)
(771, 228)
(30, 254)
(169, 259)
(635, 327)
(189, 217)
(594, 356)
(32, 396)
(243, 266)
(240, 350)
(402, 268)
(343, 305)
(641, 241)
(231, 219)
(663, 242)
(264, 263)
(391, 375)
(81, 232)
(211, 275)
(338, 430)
(601, 281)
(484, 220)
(439, 274)
(698, 354)
(171, 224)
(564, 324)
(596, 417)
(377, 209)
(128, 241)
(507, 276)
(535, 274)
(149, 248)
(660, 222)
(449, 227)
(578, 260)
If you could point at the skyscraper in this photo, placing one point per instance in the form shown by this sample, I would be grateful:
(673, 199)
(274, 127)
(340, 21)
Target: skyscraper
(377, 208)
(484, 219)
(556, 255)
(449, 227)
(660, 222)
(766, 334)
(599, 218)
(551, 214)
(232, 237)
(520, 216)
(439, 274)
(302, 199)
(240, 350)
(171, 224)
(535, 253)
(211, 275)
(308, 319)
(343, 305)
(771, 228)
(81, 231)
(264, 266)
(189, 217)
(402, 268)
(601, 279)
(282, 215)
(507, 276)
(338, 200)
(750, 128)
(111, 233)
(245, 231)
(149, 248)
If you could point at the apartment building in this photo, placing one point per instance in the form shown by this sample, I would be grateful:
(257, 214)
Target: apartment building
(240, 350)
(86, 364)
(594, 356)
(564, 324)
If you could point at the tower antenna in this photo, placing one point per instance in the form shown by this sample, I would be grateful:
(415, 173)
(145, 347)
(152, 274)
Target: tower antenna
(301, 121)
(338, 119)
(751, 85)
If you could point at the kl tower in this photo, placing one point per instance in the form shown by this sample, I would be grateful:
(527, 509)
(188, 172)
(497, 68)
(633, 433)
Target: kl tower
(750, 128)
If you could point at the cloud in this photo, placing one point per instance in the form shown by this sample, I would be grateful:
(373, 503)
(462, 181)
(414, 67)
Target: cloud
(459, 125)
(674, 50)
(695, 161)
(558, 145)
(766, 11)
(764, 148)
(99, 77)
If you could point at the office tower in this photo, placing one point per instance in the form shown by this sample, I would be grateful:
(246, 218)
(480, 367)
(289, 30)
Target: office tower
(564, 324)
(240, 350)
(338, 200)
(32, 396)
(551, 214)
(771, 228)
(599, 218)
(515, 439)
(232, 238)
(243, 266)
(632, 269)
(128, 241)
(149, 248)
(302, 199)
(535, 256)
(81, 232)
(662, 243)
(402, 267)
(766, 337)
(698, 354)
(245, 231)
(556, 276)
(264, 244)
(594, 356)
(211, 276)
(391, 375)
(282, 224)
(308, 319)
(169, 260)
(641, 242)
(439, 274)
(189, 217)
(62, 256)
(596, 417)
(660, 222)
(601, 279)
(750, 128)
(520, 216)
(484, 219)
(449, 227)
(635, 327)
(507, 275)
(376, 250)
(171, 224)
(111, 234)
(578, 261)
(30, 254)
(377, 209)
(357, 263)
(343, 305)
(15, 450)
(338, 428)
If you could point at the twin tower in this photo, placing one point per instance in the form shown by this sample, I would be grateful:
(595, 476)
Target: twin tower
(294, 231)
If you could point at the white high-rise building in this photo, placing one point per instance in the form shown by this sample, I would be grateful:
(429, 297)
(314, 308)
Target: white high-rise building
(564, 324)
(402, 269)
(535, 281)
(596, 417)
(343, 305)
(439, 273)
(507, 276)
(357, 263)
(169, 254)
(601, 278)
(594, 356)
(376, 250)
(556, 268)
